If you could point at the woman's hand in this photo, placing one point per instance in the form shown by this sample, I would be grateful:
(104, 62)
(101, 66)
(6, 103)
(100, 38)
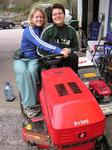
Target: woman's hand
(65, 52)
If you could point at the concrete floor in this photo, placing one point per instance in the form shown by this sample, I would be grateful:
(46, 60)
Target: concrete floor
(10, 114)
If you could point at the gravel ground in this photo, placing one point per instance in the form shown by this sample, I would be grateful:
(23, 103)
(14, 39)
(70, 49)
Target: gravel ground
(14, 147)
(10, 127)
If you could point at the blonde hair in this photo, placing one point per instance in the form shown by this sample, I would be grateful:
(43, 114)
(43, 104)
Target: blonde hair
(33, 11)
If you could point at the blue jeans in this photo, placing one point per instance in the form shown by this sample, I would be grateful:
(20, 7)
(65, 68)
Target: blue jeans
(26, 78)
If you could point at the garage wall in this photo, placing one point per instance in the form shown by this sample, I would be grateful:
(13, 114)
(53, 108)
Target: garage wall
(79, 12)
(104, 8)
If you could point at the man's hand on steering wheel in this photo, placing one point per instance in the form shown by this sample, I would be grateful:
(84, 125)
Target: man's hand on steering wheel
(66, 52)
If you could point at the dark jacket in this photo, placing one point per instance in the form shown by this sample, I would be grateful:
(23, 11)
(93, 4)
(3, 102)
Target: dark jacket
(64, 36)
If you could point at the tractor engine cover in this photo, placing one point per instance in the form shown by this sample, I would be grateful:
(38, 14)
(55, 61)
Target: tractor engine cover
(72, 114)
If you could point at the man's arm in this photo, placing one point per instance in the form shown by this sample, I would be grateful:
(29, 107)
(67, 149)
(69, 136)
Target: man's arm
(74, 45)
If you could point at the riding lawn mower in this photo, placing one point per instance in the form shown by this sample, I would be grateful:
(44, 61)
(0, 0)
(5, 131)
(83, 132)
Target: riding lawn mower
(70, 117)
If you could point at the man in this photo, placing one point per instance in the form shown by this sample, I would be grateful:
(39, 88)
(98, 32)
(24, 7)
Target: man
(63, 36)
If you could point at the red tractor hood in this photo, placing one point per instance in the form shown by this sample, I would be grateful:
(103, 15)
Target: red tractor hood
(71, 112)
(68, 103)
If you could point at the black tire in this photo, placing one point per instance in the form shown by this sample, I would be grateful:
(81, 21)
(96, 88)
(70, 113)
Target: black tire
(32, 147)
(10, 26)
(102, 144)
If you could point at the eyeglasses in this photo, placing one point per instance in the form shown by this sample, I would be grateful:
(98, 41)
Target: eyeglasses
(55, 14)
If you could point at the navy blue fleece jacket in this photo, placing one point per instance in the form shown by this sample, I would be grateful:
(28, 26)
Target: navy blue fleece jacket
(31, 42)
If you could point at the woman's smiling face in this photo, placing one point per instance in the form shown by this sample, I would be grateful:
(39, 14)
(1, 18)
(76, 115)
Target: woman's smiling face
(38, 18)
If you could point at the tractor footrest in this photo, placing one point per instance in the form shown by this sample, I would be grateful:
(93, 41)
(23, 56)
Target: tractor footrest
(36, 119)
(107, 109)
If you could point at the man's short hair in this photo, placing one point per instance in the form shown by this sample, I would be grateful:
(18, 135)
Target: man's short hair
(58, 6)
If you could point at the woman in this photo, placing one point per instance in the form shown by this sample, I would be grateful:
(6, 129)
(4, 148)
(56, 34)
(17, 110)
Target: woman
(26, 69)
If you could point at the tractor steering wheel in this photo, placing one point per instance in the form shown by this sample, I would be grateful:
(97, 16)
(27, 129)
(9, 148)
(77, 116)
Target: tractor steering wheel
(50, 60)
